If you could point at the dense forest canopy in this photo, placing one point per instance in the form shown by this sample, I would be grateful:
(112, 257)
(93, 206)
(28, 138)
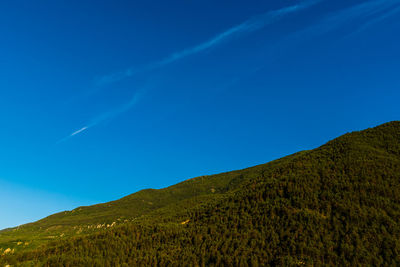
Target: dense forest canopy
(337, 205)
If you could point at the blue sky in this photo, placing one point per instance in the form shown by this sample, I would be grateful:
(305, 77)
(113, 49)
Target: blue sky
(100, 99)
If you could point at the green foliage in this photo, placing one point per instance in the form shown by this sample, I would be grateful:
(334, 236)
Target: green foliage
(337, 205)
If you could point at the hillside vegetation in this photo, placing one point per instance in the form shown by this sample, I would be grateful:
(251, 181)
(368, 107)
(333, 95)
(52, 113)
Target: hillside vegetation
(337, 205)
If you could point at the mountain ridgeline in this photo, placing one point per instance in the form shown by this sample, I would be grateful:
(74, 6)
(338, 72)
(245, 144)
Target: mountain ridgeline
(337, 205)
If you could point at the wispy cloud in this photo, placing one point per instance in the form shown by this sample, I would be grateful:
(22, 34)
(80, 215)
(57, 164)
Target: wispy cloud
(385, 10)
(371, 11)
(251, 25)
(364, 14)
(357, 17)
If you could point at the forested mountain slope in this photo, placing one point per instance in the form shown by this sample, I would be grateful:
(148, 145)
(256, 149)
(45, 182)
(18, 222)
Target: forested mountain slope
(107, 215)
(335, 205)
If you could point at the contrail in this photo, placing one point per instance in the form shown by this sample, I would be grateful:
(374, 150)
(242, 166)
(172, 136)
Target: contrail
(74, 133)
(251, 25)
(106, 116)
(79, 131)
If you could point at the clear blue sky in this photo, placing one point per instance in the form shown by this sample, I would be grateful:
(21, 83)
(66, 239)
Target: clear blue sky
(100, 99)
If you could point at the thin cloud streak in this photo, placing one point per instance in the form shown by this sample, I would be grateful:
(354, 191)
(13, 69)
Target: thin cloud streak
(251, 25)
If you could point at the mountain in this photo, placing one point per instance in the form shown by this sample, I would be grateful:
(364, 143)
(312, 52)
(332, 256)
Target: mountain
(338, 204)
